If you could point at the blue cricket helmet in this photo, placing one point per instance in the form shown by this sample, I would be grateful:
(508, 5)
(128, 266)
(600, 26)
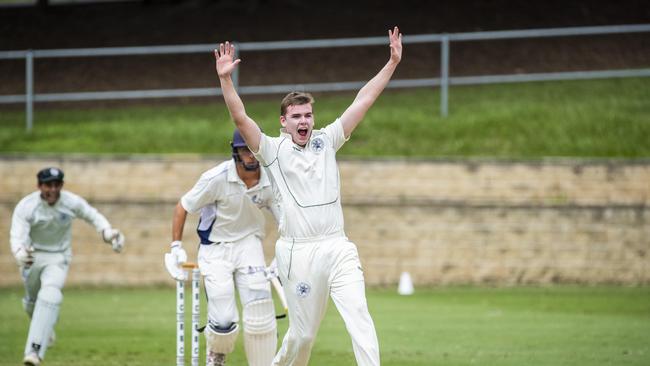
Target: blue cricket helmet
(237, 140)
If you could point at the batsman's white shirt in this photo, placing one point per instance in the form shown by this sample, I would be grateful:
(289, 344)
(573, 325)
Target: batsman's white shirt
(229, 210)
(48, 228)
(307, 180)
(231, 229)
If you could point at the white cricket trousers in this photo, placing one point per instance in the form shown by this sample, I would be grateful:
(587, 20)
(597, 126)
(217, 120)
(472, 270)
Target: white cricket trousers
(44, 280)
(227, 265)
(310, 272)
(48, 269)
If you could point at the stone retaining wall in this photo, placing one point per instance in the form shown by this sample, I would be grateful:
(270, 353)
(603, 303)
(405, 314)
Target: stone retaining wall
(445, 222)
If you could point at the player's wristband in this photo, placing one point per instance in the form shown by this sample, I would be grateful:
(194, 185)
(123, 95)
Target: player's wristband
(176, 243)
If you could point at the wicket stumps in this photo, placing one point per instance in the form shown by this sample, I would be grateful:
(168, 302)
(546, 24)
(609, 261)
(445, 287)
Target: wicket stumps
(180, 315)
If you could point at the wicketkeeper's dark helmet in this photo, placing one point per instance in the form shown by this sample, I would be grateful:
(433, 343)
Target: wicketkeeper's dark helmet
(49, 175)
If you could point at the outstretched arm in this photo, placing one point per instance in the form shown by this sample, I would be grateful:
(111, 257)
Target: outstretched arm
(177, 254)
(21, 244)
(370, 92)
(225, 65)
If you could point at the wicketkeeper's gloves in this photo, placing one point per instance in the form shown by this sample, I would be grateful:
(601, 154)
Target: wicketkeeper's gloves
(24, 256)
(115, 238)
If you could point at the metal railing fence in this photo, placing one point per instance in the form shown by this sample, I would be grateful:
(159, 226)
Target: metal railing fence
(444, 81)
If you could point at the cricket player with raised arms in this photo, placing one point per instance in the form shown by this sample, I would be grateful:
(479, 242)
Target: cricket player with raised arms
(40, 241)
(315, 258)
(231, 228)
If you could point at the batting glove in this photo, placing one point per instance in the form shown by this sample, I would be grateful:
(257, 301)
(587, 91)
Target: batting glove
(174, 259)
(24, 256)
(271, 271)
(115, 238)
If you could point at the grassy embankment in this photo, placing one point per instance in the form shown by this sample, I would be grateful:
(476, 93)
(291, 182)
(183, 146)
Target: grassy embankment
(599, 118)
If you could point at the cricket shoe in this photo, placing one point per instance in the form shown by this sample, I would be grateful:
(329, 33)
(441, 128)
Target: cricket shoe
(216, 359)
(31, 360)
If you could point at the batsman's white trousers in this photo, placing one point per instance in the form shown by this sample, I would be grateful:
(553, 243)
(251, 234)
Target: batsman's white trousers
(227, 265)
(48, 269)
(310, 272)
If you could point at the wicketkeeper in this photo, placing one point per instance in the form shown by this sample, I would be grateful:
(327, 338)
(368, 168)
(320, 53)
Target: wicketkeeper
(231, 228)
(40, 241)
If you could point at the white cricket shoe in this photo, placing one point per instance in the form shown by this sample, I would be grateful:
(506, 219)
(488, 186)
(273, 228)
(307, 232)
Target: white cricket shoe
(31, 360)
(216, 359)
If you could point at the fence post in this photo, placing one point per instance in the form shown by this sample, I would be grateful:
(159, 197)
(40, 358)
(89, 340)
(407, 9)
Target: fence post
(29, 90)
(444, 76)
(235, 73)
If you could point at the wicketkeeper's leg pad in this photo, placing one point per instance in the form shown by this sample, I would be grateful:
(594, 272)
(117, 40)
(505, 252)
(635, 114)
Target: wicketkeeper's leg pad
(28, 305)
(220, 340)
(46, 313)
(260, 332)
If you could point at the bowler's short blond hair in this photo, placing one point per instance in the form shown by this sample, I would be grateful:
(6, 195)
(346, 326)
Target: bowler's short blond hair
(295, 98)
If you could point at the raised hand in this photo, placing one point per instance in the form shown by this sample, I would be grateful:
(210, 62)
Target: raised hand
(395, 38)
(225, 62)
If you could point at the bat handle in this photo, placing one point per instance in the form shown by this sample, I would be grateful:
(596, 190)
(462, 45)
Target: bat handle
(280, 291)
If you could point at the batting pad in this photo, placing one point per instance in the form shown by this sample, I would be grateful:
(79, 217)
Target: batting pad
(46, 312)
(260, 332)
(219, 342)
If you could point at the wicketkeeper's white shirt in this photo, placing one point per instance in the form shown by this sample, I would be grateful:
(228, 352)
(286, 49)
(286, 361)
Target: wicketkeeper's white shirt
(307, 181)
(229, 210)
(48, 228)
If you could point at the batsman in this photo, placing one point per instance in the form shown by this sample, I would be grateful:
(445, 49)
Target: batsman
(231, 228)
(315, 258)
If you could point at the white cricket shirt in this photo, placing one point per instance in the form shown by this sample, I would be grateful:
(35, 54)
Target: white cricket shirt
(229, 210)
(307, 181)
(48, 228)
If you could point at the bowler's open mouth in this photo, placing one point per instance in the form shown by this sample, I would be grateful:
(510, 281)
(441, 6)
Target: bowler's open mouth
(303, 132)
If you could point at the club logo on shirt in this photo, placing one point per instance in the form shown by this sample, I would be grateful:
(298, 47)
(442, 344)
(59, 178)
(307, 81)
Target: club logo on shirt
(303, 289)
(317, 144)
(256, 199)
(64, 217)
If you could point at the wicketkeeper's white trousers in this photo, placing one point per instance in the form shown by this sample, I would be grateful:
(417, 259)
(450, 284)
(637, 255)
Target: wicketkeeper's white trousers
(48, 269)
(310, 272)
(44, 280)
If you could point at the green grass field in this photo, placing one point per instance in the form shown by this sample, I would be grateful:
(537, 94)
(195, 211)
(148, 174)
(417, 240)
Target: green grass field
(439, 326)
(597, 118)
